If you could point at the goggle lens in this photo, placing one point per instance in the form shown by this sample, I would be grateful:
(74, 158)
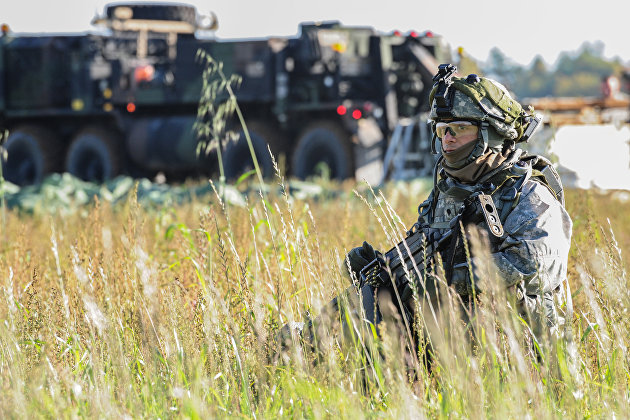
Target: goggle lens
(456, 128)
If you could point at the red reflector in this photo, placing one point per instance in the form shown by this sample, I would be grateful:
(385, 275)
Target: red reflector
(428, 34)
(144, 73)
(413, 34)
(341, 110)
(356, 114)
(397, 33)
(131, 107)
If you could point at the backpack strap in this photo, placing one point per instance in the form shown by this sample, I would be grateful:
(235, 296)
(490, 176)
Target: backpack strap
(544, 172)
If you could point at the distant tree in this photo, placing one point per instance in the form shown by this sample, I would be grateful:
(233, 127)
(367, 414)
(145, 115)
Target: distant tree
(579, 84)
(564, 65)
(540, 80)
(581, 74)
(538, 67)
(501, 68)
(498, 64)
(577, 73)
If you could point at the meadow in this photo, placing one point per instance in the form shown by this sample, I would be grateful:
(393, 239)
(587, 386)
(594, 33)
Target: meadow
(130, 310)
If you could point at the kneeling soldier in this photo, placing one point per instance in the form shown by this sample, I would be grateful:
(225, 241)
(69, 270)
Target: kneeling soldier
(483, 179)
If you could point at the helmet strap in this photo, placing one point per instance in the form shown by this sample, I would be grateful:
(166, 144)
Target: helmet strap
(483, 131)
(482, 143)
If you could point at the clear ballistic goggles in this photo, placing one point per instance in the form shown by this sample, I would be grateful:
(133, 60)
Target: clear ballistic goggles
(456, 128)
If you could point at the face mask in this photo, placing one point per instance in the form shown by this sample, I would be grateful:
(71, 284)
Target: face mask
(457, 158)
(473, 171)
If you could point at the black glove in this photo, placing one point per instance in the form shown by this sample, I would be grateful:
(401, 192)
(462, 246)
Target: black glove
(359, 257)
(461, 280)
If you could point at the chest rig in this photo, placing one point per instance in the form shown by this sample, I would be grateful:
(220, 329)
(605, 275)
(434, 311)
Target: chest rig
(489, 202)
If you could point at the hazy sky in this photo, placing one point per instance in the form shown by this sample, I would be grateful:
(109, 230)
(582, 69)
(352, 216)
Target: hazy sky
(521, 29)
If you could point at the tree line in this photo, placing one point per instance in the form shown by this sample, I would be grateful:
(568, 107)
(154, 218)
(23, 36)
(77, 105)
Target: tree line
(578, 73)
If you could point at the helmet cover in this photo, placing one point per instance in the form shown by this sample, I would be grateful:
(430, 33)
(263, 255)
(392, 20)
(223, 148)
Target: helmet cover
(482, 99)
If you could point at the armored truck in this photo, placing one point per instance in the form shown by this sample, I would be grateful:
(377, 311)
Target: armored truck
(125, 99)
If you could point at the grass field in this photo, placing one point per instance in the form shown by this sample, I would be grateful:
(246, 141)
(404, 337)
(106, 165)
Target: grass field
(138, 311)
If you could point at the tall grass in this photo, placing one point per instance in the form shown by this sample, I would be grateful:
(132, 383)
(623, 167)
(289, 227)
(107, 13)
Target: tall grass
(129, 312)
(4, 134)
(217, 104)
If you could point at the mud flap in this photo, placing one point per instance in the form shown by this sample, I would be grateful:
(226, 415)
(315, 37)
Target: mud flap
(369, 151)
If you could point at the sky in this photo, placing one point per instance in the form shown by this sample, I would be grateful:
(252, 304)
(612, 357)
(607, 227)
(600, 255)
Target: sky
(520, 29)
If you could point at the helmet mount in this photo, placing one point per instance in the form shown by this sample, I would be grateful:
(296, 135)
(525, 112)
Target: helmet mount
(444, 95)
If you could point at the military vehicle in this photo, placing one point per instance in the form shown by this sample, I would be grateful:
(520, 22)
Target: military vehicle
(125, 99)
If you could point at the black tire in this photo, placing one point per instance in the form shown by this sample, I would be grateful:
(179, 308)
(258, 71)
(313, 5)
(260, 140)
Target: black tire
(32, 153)
(237, 158)
(94, 155)
(323, 145)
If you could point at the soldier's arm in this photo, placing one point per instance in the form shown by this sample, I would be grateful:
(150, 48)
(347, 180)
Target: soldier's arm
(535, 247)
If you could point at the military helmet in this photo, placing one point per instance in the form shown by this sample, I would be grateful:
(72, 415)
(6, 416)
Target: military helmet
(480, 99)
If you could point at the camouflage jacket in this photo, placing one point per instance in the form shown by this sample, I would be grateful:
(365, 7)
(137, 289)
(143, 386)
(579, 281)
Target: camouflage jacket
(531, 255)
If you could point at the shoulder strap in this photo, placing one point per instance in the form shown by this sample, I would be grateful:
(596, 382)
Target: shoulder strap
(510, 182)
(425, 207)
(546, 174)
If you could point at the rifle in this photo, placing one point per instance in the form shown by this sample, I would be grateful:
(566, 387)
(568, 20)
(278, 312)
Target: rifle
(409, 258)
(392, 268)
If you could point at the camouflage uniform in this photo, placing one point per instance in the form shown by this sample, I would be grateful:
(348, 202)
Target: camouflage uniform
(529, 250)
(531, 256)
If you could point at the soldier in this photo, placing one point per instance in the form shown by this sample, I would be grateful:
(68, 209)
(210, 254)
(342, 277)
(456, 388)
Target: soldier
(482, 182)
(483, 179)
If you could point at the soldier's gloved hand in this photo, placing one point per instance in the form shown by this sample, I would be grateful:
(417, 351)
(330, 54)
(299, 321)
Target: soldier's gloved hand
(359, 257)
(461, 281)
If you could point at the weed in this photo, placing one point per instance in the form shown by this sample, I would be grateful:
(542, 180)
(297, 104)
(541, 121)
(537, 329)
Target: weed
(127, 311)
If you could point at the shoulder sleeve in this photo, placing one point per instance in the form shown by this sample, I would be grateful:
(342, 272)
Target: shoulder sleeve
(537, 239)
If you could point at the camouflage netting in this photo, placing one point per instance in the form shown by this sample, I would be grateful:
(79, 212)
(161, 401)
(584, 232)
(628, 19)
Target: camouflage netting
(65, 193)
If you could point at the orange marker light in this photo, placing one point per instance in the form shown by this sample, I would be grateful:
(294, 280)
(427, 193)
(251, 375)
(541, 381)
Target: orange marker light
(131, 107)
(144, 73)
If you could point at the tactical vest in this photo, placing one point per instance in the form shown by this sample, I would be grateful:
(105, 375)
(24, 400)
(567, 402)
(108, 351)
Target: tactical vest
(503, 186)
(449, 199)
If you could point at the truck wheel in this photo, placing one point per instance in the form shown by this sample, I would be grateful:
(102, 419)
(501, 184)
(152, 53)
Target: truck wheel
(323, 149)
(237, 158)
(94, 155)
(32, 153)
